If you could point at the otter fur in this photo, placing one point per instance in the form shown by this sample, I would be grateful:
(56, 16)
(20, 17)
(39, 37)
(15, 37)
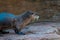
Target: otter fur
(15, 22)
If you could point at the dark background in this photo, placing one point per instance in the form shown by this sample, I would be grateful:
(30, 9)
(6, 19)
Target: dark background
(45, 8)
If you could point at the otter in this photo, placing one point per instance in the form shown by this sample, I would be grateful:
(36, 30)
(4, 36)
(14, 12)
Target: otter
(15, 22)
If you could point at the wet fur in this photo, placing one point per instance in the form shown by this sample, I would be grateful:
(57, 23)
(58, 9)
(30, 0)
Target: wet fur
(20, 21)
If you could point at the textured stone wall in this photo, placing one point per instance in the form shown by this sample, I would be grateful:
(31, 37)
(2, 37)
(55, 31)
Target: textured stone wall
(45, 8)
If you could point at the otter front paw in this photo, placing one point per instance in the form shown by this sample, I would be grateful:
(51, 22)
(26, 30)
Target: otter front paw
(21, 33)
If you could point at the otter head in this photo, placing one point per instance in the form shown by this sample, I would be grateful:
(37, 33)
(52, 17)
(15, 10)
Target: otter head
(30, 14)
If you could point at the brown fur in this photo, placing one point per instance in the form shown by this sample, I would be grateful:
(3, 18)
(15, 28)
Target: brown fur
(26, 19)
(21, 26)
(26, 22)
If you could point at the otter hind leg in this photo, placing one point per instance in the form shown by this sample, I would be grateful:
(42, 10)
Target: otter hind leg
(3, 32)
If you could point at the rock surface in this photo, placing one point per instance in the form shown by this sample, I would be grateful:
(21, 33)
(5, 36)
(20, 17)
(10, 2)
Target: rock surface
(39, 31)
